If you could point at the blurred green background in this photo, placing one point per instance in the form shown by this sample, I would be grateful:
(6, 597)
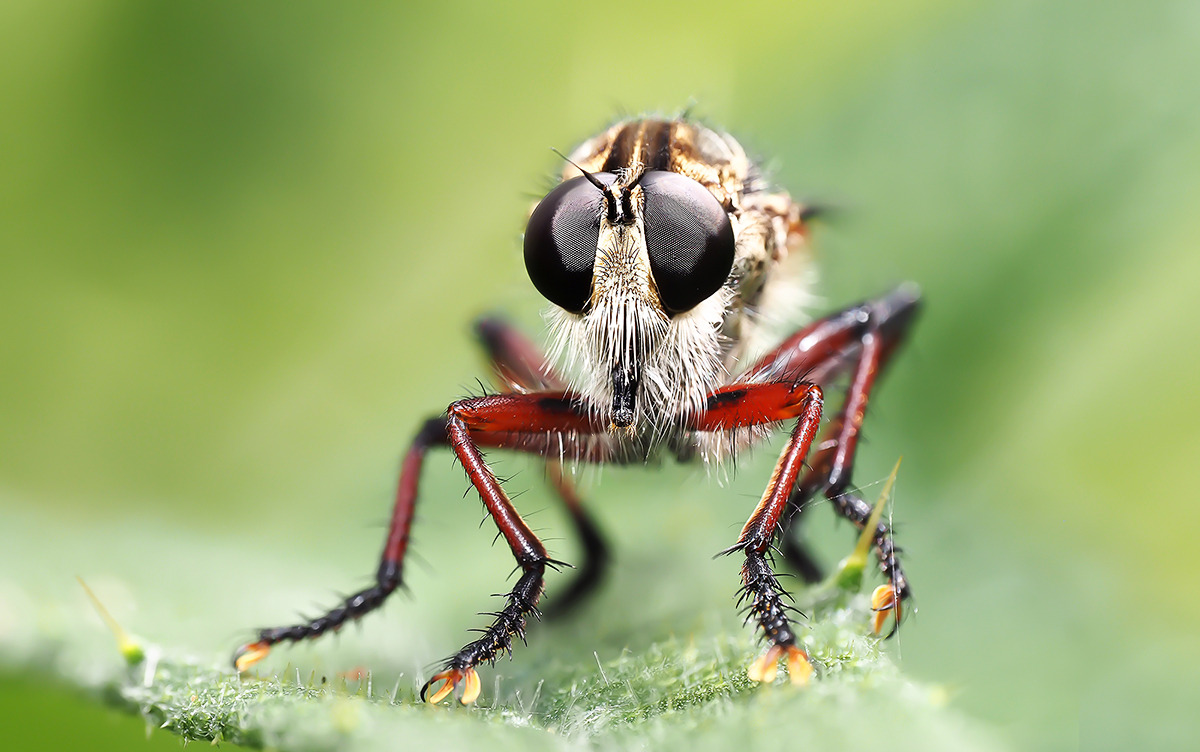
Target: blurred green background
(241, 246)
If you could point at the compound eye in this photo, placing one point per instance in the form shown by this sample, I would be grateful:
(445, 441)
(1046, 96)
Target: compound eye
(689, 239)
(560, 242)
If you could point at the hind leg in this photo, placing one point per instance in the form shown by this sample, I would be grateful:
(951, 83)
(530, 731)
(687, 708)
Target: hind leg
(388, 577)
(860, 340)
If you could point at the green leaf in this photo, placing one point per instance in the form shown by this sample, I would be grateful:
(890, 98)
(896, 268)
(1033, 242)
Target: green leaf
(680, 692)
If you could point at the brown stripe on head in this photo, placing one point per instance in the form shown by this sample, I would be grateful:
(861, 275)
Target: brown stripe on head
(625, 146)
(645, 142)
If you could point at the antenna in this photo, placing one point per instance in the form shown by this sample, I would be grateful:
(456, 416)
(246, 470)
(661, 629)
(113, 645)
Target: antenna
(591, 178)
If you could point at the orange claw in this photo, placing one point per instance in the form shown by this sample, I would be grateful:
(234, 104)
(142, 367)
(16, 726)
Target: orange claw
(451, 677)
(883, 601)
(763, 669)
(248, 655)
(799, 668)
(471, 687)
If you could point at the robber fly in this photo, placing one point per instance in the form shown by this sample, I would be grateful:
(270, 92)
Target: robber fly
(658, 250)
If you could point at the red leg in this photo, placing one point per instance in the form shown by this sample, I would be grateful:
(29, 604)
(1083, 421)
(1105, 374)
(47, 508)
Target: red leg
(466, 421)
(501, 421)
(487, 419)
(522, 368)
(862, 337)
(746, 405)
(387, 577)
(517, 361)
(830, 472)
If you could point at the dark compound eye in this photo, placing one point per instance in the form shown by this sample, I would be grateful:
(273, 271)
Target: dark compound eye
(560, 241)
(689, 240)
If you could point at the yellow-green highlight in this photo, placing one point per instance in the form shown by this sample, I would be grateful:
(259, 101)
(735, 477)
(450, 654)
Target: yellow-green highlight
(849, 573)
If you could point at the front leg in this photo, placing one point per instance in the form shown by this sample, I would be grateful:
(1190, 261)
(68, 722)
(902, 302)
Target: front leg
(492, 418)
(745, 405)
(522, 368)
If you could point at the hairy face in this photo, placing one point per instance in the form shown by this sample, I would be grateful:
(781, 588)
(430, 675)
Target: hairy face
(659, 251)
(638, 263)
